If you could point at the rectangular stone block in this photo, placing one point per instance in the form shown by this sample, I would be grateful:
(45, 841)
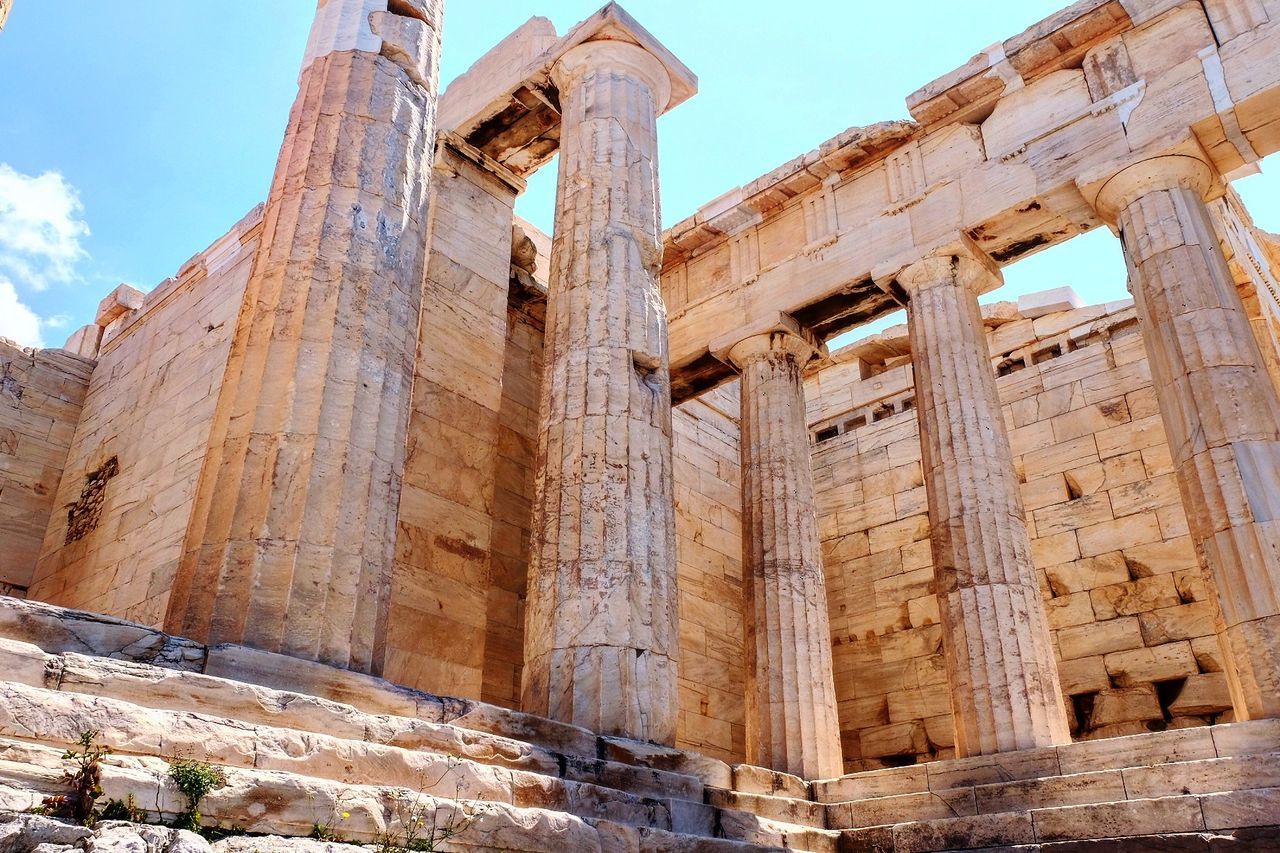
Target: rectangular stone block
(1137, 751)
(1101, 638)
(1077, 789)
(984, 830)
(1118, 820)
(989, 769)
(1052, 301)
(902, 808)
(1083, 675)
(1160, 663)
(1211, 776)
(875, 783)
(1247, 738)
(1179, 622)
(1128, 704)
(1259, 807)
(1207, 693)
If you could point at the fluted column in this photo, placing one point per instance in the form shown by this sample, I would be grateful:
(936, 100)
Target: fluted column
(602, 626)
(1220, 409)
(1005, 693)
(791, 718)
(291, 540)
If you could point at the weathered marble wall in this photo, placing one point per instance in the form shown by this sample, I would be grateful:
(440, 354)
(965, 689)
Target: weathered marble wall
(149, 406)
(513, 496)
(41, 393)
(1130, 613)
(439, 601)
(709, 553)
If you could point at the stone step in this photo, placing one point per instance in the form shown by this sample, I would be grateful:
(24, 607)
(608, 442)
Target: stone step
(752, 828)
(1208, 776)
(56, 719)
(1145, 750)
(269, 802)
(785, 809)
(157, 688)
(954, 838)
(58, 631)
(53, 719)
(1143, 822)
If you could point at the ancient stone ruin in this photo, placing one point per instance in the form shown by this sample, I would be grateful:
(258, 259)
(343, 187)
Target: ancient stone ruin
(390, 511)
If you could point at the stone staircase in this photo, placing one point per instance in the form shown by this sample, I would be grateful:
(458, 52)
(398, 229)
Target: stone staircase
(352, 745)
(302, 744)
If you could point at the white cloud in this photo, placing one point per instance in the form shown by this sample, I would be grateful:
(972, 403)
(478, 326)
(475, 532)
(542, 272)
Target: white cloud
(17, 321)
(41, 227)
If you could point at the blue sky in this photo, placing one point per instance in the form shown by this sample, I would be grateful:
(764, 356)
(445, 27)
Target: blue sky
(133, 134)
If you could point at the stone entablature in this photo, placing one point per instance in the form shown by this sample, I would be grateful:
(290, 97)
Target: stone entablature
(995, 154)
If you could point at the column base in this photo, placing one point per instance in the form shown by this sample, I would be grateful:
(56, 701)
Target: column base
(613, 690)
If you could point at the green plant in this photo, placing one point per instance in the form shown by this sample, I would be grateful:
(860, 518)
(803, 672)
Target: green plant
(195, 779)
(84, 779)
(126, 809)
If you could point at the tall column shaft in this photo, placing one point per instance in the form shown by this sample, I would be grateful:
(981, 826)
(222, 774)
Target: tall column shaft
(792, 722)
(291, 540)
(1000, 660)
(602, 619)
(1220, 409)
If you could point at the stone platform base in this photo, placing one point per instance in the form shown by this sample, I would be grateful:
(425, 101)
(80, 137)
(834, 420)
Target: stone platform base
(303, 745)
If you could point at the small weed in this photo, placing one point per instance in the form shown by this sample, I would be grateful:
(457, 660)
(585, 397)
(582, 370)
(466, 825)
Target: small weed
(195, 779)
(126, 809)
(84, 779)
(325, 828)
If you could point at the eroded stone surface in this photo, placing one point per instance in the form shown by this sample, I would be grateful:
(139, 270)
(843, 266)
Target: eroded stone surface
(292, 534)
(1000, 664)
(791, 696)
(602, 628)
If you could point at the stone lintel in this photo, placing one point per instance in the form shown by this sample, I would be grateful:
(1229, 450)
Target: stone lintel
(779, 323)
(968, 93)
(895, 276)
(481, 160)
(473, 112)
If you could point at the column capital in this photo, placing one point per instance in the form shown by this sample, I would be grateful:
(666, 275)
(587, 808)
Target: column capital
(1112, 195)
(614, 55)
(780, 333)
(959, 260)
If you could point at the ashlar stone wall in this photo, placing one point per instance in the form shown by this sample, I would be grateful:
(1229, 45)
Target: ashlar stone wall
(1132, 618)
(149, 407)
(41, 392)
(709, 552)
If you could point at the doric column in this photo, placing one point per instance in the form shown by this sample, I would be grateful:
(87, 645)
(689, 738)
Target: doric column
(1220, 409)
(1005, 693)
(791, 717)
(290, 544)
(602, 626)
